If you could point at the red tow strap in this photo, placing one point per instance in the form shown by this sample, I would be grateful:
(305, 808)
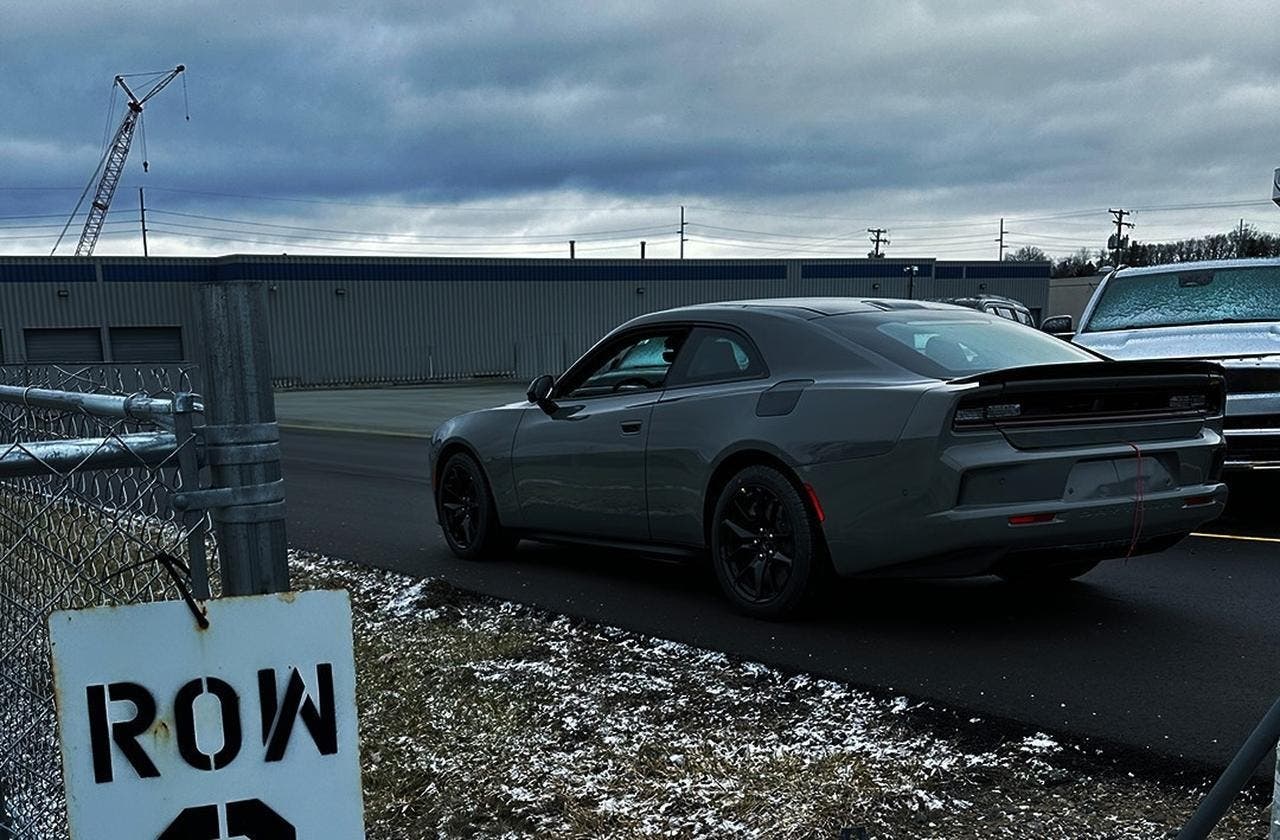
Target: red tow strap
(1137, 504)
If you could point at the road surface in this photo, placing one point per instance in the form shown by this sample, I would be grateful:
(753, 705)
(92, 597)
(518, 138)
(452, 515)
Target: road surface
(1173, 656)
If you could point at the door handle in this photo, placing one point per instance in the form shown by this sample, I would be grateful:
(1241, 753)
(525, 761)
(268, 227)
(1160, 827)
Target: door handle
(630, 427)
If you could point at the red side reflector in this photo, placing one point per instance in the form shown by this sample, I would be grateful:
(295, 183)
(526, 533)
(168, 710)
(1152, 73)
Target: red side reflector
(1030, 518)
(1196, 501)
(817, 506)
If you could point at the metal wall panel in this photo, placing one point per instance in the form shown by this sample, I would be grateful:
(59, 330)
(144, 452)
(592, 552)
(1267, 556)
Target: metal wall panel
(146, 344)
(63, 344)
(349, 320)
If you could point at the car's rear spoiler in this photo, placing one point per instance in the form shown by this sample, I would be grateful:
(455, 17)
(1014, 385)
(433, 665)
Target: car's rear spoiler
(1091, 393)
(1113, 373)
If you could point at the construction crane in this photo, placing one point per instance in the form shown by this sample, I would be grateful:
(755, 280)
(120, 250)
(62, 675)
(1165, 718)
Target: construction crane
(112, 164)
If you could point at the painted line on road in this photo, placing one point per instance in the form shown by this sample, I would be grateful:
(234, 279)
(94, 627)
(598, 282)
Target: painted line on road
(350, 430)
(1242, 537)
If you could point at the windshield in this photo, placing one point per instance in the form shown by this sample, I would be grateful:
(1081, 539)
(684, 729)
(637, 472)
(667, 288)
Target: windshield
(1188, 296)
(946, 346)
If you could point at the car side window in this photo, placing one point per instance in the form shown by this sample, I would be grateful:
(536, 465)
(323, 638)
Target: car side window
(717, 355)
(635, 364)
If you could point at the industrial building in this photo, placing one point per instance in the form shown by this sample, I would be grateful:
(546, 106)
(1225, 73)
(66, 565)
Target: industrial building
(356, 321)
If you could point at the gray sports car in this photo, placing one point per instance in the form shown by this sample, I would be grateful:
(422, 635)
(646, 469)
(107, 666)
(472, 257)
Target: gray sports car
(790, 439)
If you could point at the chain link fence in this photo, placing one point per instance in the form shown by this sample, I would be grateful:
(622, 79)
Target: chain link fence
(90, 460)
(120, 485)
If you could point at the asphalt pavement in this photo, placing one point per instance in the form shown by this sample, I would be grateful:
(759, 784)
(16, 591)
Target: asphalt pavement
(1172, 655)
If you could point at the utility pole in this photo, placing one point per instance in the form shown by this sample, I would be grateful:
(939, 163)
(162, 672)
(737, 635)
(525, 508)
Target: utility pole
(142, 212)
(1000, 254)
(1240, 241)
(682, 238)
(572, 243)
(641, 249)
(877, 239)
(1120, 239)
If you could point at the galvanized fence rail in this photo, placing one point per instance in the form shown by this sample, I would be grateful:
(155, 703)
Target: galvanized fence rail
(118, 485)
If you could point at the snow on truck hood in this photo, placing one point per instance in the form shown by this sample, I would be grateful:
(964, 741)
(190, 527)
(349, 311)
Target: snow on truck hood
(1196, 341)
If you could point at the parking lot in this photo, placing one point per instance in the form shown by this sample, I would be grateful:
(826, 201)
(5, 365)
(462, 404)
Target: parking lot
(1165, 658)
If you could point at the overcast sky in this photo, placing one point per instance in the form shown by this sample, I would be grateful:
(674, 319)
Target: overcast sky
(456, 127)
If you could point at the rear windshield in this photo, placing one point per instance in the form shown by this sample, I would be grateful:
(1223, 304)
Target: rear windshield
(1188, 296)
(950, 346)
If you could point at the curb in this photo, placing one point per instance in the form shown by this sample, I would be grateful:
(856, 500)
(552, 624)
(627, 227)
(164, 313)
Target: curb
(350, 430)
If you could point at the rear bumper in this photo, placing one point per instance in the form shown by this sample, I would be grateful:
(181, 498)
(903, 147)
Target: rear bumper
(973, 542)
(955, 518)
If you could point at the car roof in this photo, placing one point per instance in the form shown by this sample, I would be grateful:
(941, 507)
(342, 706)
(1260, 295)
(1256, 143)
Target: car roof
(806, 308)
(1205, 265)
(972, 300)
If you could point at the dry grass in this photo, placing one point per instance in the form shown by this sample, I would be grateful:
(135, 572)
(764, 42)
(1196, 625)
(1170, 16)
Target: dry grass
(480, 718)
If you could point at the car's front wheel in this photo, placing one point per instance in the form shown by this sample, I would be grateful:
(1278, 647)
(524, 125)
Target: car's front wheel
(765, 546)
(468, 516)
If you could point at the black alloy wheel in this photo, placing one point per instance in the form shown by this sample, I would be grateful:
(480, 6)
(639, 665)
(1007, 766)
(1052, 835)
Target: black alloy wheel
(765, 547)
(467, 514)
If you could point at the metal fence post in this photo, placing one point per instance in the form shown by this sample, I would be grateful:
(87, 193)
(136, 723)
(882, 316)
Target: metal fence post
(241, 438)
(1234, 778)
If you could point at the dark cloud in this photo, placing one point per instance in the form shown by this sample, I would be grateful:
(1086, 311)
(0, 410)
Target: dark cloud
(937, 110)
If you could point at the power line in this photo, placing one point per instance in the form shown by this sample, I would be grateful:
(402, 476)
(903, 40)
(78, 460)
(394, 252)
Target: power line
(771, 234)
(771, 250)
(34, 216)
(460, 208)
(45, 237)
(1034, 235)
(294, 237)
(154, 228)
(54, 226)
(550, 237)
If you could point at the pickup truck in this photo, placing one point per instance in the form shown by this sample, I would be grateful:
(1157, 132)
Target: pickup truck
(1227, 311)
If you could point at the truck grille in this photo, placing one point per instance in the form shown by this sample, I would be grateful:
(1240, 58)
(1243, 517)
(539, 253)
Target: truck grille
(1252, 380)
(1252, 421)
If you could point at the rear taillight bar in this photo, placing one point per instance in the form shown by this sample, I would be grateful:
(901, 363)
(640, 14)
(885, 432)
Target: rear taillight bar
(1068, 406)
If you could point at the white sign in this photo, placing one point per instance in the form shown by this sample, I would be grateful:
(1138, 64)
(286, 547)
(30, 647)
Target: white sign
(244, 729)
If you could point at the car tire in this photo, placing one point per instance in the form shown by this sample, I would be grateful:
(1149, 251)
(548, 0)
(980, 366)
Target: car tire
(1048, 575)
(766, 546)
(468, 517)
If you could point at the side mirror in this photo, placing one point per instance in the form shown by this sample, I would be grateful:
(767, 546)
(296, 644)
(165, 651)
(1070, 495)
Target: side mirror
(539, 392)
(1062, 326)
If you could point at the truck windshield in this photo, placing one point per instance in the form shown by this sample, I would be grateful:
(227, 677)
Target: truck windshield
(1188, 296)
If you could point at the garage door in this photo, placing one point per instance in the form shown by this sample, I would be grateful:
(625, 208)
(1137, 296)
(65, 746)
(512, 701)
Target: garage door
(146, 344)
(63, 344)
